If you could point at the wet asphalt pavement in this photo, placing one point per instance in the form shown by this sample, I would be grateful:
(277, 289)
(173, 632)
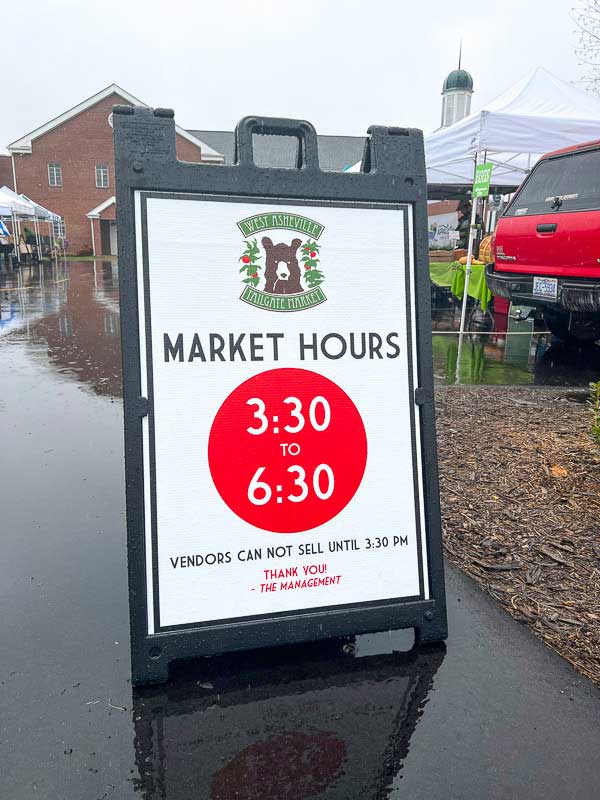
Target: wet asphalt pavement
(495, 715)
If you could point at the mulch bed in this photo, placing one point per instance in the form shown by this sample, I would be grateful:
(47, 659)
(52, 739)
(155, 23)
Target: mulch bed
(520, 493)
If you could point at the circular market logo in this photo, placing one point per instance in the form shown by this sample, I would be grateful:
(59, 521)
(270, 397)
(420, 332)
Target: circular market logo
(282, 271)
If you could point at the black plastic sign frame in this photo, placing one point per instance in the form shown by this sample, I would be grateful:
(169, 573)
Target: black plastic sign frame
(392, 176)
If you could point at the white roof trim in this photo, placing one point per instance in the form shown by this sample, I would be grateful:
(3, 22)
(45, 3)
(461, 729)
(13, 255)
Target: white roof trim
(95, 212)
(24, 144)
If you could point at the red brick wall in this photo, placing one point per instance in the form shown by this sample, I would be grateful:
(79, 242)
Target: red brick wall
(6, 175)
(78, 145)
(110, 212)
(186, 151)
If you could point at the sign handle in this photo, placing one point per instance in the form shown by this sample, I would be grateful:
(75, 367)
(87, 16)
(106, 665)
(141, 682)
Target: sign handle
(308, 154)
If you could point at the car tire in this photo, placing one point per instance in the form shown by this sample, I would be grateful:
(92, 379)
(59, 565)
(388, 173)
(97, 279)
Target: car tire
(572, 327)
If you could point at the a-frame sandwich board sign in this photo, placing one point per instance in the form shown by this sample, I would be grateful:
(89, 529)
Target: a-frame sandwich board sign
(281, 468)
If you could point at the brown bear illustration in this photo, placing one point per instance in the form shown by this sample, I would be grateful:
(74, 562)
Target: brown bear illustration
(282, 272)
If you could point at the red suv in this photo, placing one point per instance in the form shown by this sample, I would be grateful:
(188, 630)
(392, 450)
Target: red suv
(547, 243)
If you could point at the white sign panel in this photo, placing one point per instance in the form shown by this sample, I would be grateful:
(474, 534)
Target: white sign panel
(442, 230)
(281, 467)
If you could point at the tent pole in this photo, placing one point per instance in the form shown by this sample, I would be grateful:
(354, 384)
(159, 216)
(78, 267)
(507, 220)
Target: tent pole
(38, 239)
(16, 237)
(53, 236)
(484, 208)
(463, 315)
(474, 203)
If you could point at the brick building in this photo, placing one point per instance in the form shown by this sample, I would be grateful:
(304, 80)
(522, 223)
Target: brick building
(68, 166)
(6, 176)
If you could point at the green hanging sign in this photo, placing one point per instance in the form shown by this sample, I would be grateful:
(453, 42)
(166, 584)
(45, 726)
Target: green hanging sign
(483, 176)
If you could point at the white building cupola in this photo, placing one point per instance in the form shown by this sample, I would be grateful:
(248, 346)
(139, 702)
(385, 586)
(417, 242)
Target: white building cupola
(456, 96)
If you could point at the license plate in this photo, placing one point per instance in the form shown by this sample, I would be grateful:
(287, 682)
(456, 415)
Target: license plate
(545, 287)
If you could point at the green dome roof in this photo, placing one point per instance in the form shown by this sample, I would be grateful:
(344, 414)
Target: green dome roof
(458, 79)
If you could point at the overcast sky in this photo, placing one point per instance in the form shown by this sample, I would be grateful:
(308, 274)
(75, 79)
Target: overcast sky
(342, 64)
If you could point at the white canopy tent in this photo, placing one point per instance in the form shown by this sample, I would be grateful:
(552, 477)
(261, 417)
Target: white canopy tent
(39, 211)
(14, 203)
(48, 216)
(538, 114)
(18, 207)
(22, 209)
(5, 207)
(9, 209)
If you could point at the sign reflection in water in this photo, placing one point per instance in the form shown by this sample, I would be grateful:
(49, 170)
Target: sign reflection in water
(304, 721)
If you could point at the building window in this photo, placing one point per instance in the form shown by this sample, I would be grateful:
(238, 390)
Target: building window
(59, 227)
(54, 175)
(101, 176)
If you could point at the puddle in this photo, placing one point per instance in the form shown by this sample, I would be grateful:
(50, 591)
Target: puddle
(67, 315)
(302, 721)
(500, 350)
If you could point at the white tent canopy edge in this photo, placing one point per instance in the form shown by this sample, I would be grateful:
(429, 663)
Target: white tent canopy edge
(540, 113)
(18, 207)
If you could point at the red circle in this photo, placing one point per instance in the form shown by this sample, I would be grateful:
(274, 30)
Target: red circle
(327, 470)
(294, 764)
(246, 259)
